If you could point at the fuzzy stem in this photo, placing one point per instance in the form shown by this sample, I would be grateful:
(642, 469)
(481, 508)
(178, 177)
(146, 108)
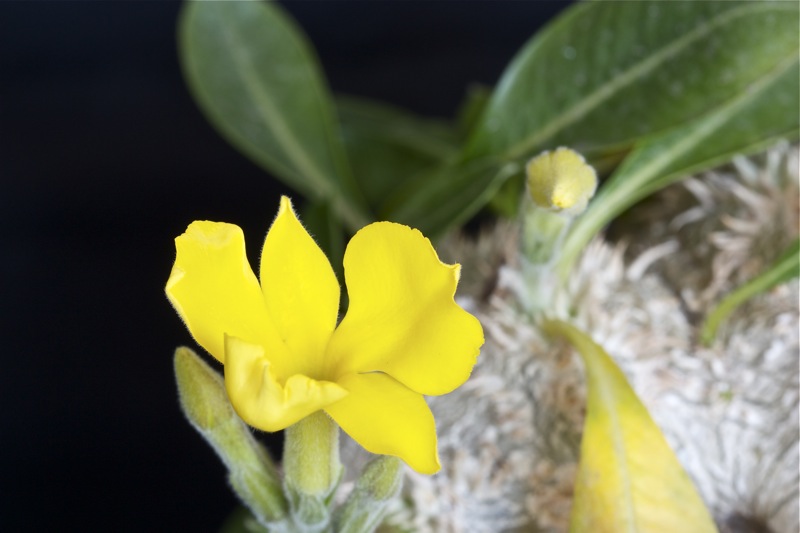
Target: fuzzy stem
(543, 234)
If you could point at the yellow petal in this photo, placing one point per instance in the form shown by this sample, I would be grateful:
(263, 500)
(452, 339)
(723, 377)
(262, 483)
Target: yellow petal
(402, 319)
(387, 418)
(215, 291)
(300, 290)
(261, 399)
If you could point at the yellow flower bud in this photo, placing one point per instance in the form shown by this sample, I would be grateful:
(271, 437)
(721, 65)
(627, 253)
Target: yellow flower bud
(561, 181)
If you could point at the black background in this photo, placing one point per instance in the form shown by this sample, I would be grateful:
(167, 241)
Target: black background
(104, 159)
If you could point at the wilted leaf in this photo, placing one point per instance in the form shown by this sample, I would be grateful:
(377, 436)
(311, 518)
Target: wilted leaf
(628, 479)
(256, 77)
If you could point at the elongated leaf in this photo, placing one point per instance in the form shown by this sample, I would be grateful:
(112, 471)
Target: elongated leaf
(628, 478)
(751, 120)
(606, 73)
(387, 146)
(256, 77)
(787, 267)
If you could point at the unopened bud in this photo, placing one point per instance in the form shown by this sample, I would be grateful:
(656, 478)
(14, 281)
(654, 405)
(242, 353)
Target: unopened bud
(205, 403)
(366, 506)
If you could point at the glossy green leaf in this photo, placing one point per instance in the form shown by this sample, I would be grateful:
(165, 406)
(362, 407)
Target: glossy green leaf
(768, 110)
(387, 146)
(604, 74)
(629, 480)
(785, 268)
(256, 78)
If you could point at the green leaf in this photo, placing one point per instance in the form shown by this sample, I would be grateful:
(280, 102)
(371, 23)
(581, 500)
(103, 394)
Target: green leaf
(768, 110)
(602, 76)
(472, 108)
(445, 196)
(628, 478)
(256, 78)
(506, 201)
(605, 74)
(387, 146)
(326, 229)
(785, 268)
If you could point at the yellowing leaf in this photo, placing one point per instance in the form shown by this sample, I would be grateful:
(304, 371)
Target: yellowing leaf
(629, 480)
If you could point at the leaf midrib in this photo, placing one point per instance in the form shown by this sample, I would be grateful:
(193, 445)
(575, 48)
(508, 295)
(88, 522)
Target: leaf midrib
(663, 160)
(627, 77)
(268, 111)
(608, 398)
(621, 190)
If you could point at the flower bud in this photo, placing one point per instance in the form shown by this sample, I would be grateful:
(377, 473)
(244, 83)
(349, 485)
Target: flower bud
(204, 401)
(561, 181)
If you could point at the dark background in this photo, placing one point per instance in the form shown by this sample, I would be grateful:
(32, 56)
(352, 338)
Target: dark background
(104, 159)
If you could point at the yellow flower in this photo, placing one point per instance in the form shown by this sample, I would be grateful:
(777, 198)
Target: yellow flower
(284, 356)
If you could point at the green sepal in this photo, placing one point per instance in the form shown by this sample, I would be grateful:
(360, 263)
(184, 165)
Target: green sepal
(311, 461)
(310, 512)
(312, 470)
